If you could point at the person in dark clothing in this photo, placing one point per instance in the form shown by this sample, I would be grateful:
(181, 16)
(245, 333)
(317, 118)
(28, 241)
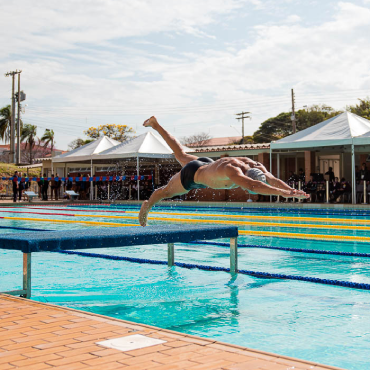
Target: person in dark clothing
(45, 187)
(301, 175)
(364, 173)
(340, 188)
(331, 174)
(15, 186)
(69, 183)
(311, 188)
(358, 174)
(53, 185)
(21, 187)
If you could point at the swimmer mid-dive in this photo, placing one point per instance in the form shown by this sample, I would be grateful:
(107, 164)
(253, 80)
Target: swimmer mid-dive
(224, 173)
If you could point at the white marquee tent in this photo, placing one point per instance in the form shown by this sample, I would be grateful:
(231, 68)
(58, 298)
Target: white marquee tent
(148, 145)
(346, 129)
(88, 151)
(339, 130)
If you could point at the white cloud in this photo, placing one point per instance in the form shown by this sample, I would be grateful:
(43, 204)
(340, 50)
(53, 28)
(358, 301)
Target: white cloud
(293, 18)
(119, 81)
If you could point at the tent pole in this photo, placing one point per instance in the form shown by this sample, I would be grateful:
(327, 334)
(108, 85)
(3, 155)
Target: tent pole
(91, 183)
(138, 174)
(270, 167)
(353, 173)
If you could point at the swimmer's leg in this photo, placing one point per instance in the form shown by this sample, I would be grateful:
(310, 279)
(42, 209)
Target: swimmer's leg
(182, 157)
(174, 187)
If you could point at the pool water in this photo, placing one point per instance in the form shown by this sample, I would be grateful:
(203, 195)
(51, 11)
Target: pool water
(315, 322)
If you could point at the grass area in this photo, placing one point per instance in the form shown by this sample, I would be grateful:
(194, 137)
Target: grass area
(8, 169)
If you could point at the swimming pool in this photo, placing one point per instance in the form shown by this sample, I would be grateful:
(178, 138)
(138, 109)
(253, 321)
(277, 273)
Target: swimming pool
(326, 324)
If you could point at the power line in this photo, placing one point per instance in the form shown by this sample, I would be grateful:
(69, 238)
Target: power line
(242, 116)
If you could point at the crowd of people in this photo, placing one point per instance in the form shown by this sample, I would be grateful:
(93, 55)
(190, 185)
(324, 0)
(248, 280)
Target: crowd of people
(54, 188)
(316, 186)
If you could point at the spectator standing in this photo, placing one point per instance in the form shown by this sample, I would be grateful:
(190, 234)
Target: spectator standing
(15, 186)
(69, 183)
(331, 174)
(364, 173)
(358, 174)
(53, 185)
(45, 187)
(21, 186)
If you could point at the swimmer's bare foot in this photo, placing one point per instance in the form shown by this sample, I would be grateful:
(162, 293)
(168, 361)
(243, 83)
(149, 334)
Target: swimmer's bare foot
(143, 215)
(151, 122)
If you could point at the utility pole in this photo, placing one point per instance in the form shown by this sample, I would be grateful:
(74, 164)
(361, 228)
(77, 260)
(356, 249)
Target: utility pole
(294, 121)
(18, 154)
(12, 121)
(242, 116)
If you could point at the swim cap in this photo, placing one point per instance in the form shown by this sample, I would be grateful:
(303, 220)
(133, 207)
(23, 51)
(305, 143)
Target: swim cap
(255, 174)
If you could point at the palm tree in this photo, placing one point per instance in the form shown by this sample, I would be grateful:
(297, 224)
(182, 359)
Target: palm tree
(5, 119)
(29, 134)
(48, 138)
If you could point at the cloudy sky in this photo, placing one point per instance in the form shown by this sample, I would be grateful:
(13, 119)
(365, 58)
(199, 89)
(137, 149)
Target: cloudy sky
(193, 64)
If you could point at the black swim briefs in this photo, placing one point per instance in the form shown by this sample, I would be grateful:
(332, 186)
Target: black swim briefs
(188, 172)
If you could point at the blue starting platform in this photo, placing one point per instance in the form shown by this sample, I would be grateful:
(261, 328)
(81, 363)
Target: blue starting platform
(50, 241)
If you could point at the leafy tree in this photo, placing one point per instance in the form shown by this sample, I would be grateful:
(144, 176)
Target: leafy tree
(362, 109)
(49, 138)
(29, 135)
(5, 119)
(276, 128)
(198, 139)
(78, 142)
(116, 132)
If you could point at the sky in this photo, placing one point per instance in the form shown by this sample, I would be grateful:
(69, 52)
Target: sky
(193, 64)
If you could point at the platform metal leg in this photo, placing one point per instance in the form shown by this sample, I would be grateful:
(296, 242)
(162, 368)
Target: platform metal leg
(171, 254)
(234, 255)
(27, 275)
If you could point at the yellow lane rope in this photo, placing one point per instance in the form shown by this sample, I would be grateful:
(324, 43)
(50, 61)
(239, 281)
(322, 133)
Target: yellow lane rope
(305, 236)
(248, 223)
(337, 220)
(241, 232)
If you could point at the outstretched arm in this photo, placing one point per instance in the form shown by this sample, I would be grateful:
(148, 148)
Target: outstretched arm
(271, 179)
(236, 175)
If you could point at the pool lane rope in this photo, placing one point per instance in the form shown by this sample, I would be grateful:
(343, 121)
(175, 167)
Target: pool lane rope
(290, 218)
(257, 274)
(232, 222)
(241, 232)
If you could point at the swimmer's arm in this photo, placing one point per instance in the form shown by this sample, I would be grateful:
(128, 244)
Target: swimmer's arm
(247, 160)
(271, 179)
(236, 175)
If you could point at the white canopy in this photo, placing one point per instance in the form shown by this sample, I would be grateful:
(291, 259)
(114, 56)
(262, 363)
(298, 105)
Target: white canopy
(363, 139)
(147, 145)
(339, 130)
(88, 151)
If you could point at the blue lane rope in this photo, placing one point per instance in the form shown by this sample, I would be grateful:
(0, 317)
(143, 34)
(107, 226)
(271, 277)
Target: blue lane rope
(299, 250)
(258, 274)
(22, 228)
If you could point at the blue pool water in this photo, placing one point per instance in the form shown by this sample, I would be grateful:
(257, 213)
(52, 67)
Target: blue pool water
(315, 322)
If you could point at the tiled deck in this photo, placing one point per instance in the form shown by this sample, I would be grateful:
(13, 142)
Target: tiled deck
(40, 336)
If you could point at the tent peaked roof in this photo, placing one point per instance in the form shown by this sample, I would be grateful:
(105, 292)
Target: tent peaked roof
(145, 145)
(363, 139)
(86, 151)
(338, 130)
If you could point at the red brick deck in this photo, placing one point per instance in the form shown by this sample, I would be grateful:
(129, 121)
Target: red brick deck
(40, 336)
